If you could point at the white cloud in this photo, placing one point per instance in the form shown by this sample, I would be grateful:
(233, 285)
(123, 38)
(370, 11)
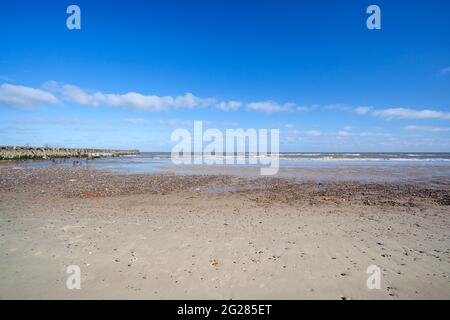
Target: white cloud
(404, 113)
(313, 133)
(343, 133)
(375, 134)
(53, 92)
(133, 100)
(269, 106)
(337, 106)
(165, 122)
(137, 101)
(290, 125)
(302, 108)
(362, 110)
(427, 128)
(137, 121)
(25, 97)
(55, 121)
(229, 105)
(178, 122)
(191, 101)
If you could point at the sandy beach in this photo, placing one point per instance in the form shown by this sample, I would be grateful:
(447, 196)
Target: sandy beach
(172, 236)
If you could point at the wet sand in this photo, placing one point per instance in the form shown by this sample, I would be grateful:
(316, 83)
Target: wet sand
(393, 173)
(219, 236)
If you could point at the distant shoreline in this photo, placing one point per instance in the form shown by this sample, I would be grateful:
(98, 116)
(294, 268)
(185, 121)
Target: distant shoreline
(44, 153)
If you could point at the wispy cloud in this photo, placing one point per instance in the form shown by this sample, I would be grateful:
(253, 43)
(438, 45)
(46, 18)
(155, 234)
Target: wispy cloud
(229, 105)
(405, 113)
(444, 71)
(303, 108)
(165, 122)
(53, 92)
(314, 133)
(362, 110)
(142, 102)
(344, 133)
(133, 100)
(24, 97)
(270, 106)
(427, 128)
(337, 107)
(54, 120)
(137, 121)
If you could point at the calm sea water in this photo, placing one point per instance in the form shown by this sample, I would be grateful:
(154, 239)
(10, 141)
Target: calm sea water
(367, 166)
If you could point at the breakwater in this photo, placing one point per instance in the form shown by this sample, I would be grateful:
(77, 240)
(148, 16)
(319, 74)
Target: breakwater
(19, 153)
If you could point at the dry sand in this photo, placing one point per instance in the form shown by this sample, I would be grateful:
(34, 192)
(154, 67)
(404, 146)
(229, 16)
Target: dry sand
(200, 237)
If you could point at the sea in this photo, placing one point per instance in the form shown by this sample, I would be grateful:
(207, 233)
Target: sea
(374, 166)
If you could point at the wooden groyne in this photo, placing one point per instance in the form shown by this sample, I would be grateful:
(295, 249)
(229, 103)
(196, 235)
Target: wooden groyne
(19, 153)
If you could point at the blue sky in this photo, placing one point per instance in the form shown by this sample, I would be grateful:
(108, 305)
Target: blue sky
(137, 70)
